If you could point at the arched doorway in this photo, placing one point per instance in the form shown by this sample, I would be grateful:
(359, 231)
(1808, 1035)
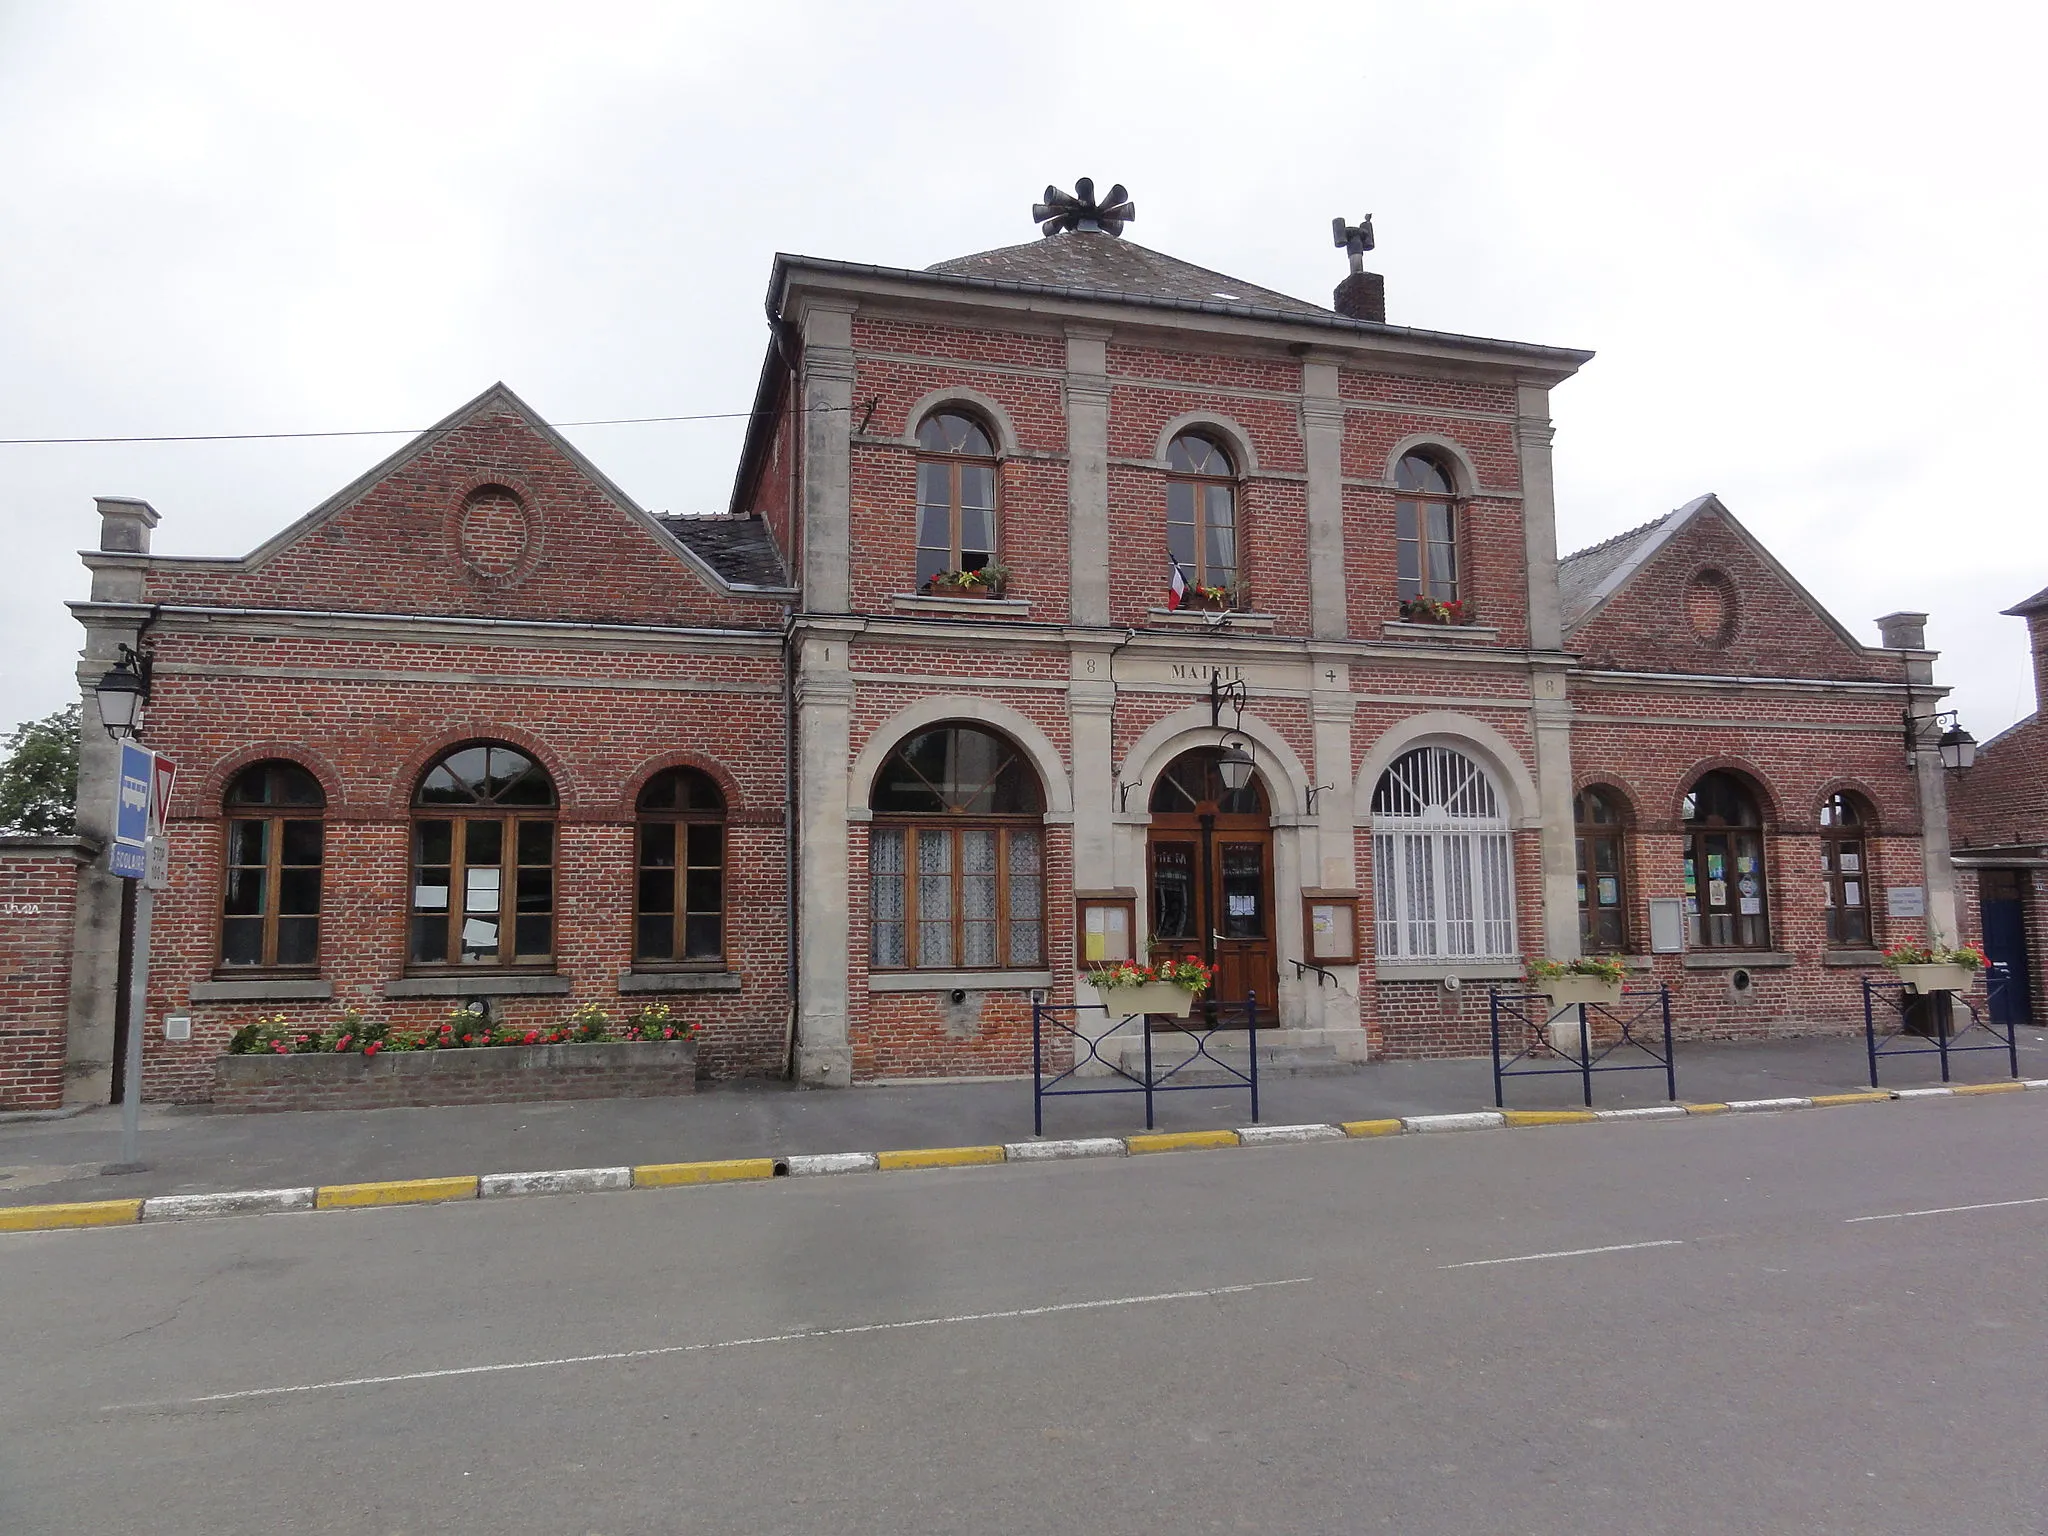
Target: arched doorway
(1209, 864)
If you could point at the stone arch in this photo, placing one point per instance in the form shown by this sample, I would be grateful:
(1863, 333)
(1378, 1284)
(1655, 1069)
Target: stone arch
(736, 804)
(1464, 474)
(1601, 778)
(1473, 737)
(1215, 424)
(1285, 778)
(976, 404)
(1005, 721)
(1889, 822)
(1766, 798)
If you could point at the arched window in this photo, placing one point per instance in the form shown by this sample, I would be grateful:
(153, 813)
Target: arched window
(1726, 899)
(483, 861)
(1425, 531)
(1845, 824)
(956, 496)
(270, 902)
(1443, 876)
(1201, 512)
(956, 855)
(679, 904)
(1603, 881)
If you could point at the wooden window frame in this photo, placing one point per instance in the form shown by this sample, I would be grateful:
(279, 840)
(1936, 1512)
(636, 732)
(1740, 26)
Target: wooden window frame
(272, 819)
(953, 463)
(680, 913)
(1693, 852)
(1198, 485)
(509, 821)
(914, 828)
(1584, 835)
(1833, 838)
(1421, 502)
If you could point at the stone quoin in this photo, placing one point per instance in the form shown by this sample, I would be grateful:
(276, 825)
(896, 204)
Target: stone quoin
(930, 716)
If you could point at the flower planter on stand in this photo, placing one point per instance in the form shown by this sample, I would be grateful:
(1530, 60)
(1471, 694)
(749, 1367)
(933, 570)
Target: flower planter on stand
(1936, 978)
(1567, 991)
(1151, 997)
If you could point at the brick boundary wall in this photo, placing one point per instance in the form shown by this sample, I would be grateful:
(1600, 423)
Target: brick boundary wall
(38, 900)
(507, 1074)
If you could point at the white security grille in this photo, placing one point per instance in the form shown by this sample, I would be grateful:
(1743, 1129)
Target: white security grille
(1443, 877)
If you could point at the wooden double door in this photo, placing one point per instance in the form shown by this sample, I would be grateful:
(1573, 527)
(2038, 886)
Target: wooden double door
(1209, 864)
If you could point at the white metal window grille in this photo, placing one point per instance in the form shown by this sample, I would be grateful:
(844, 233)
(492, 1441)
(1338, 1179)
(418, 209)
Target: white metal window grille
(1443, 876)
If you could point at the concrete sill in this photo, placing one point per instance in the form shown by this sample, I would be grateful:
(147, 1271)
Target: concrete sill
(1439, 971)
(1853, 957)
(1453, 634)
(1202, 618)
(258, 989)
(1739, 960)
(966, 607)
(484, 984)
(958, 981)
(679, 981)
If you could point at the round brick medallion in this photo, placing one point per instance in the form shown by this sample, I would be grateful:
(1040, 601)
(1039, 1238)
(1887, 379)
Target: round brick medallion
(494, 533)
(1710, 608)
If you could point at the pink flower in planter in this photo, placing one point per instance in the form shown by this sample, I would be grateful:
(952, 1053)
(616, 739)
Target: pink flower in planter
(532, 1035)
(373, 1047)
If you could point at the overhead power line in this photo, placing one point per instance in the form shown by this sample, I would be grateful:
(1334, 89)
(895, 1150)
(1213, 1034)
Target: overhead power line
(249, 437)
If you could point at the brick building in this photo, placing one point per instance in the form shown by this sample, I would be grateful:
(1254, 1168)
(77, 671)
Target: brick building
(1025, 552)
(2001, 840)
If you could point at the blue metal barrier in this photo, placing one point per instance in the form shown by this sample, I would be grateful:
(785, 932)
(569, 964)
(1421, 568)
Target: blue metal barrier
(1888, 997)
(1520, 1023)
(1056, 1022)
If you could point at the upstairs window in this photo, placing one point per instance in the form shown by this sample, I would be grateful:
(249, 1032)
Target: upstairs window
(1201, 512)
(270, 904)
(1443, 874)
(679, 902)
(483, 865)
(1845, 824)
(1425, 530)
(1726, 900)
(956, 496)
(1603, 890)
(957, 855)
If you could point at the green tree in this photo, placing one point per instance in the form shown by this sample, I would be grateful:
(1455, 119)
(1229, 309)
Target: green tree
(39, 779)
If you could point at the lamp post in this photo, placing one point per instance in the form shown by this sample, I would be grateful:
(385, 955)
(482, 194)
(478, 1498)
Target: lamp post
(1956, 746)
(121, 692)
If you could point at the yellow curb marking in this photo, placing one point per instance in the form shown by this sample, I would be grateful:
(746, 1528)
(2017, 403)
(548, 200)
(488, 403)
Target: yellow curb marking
(82, 1213)
(1180, 1141)
(1824, 1100)
(718, 1171)
(1370, 1127)
(394, 1192)
(1547, 1116)
(939, 1157)
(1706, 1109)
(2013, 1087)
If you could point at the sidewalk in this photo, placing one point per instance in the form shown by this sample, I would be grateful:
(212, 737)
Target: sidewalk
(192, 1150)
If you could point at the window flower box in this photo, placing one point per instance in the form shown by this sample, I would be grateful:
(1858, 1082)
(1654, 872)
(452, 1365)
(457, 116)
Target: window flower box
(1427, 610)
(987, 581)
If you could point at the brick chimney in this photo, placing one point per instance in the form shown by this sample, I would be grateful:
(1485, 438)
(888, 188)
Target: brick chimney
(2035, 611)
(1362, 296)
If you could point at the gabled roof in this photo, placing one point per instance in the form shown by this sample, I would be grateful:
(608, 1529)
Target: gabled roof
(2038, 603)
(1105, 264)
(1589, 578)
(739, 548)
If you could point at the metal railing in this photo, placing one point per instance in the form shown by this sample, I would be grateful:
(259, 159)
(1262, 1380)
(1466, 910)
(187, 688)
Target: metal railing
(1053, 1024)
(1931, 1016)
(1522, 1025)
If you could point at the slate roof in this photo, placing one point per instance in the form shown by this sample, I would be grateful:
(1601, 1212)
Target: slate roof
(1580, 575)
(2033, 604)
(1092, 262)
(739, 548)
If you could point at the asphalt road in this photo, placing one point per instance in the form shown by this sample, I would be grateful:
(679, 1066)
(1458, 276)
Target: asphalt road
(1687, 1326)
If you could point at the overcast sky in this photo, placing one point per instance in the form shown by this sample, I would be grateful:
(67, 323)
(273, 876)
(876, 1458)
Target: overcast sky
(1805, 240)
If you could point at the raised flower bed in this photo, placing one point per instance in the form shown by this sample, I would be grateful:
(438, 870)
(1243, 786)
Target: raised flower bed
(357, 1064)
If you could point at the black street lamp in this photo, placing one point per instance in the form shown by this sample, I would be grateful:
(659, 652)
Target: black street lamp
(122, 691)
(1956, 746)
(1235, 766)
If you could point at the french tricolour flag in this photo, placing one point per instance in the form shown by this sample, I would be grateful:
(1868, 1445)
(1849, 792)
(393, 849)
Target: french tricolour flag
(1176, 588)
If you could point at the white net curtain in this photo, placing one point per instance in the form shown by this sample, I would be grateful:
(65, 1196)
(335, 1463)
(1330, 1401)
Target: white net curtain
(1443, 873)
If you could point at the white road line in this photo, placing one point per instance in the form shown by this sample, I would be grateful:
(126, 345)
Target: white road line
(1568, 1253)
(687, 1349)
(1948, 1210)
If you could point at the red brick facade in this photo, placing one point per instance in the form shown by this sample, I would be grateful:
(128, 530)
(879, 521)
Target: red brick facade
(38, 903)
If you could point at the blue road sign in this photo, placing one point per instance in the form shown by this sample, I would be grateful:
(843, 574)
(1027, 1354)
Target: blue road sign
(131, 812)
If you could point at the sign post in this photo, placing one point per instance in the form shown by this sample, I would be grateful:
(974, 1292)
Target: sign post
(139, 853)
